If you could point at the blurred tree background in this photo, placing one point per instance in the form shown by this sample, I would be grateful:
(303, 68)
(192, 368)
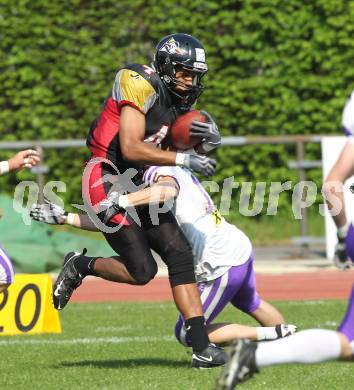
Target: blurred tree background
(276, 67)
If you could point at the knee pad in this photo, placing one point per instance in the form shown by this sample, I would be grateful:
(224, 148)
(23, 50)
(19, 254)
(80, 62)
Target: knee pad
(180, 268)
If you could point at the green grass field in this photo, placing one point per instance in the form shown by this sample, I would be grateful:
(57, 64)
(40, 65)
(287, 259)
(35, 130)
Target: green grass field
(131, 346)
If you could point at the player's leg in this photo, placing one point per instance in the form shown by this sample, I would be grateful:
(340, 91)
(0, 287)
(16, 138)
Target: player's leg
(112, 269)
(135, 260)
(347, 348)
(342, 170)
(129, 241)
(346, 328)
(248, 300)
(168, 240)
(7, 272)
(308, 347)
(267, 315)
(333, 191)
(349, 242)
(138, 266)
(215, 295)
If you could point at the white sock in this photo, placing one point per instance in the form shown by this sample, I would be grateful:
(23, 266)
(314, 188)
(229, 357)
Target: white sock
(308, 346)
(266, 333)
(352, 345)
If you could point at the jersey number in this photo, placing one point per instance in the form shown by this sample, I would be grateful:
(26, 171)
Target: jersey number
(157, 137)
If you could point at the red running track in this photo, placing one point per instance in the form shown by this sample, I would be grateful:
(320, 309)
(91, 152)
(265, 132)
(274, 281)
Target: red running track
(290, 286)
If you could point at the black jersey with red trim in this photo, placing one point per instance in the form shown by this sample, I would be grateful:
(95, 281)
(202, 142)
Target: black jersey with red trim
(138, 86)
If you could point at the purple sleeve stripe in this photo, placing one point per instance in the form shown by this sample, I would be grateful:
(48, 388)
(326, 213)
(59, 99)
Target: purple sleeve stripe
(202, 190)
(151, 173)
(147, 172)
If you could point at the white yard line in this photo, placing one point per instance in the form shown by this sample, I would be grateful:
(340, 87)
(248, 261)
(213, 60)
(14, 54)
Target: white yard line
(86, 340)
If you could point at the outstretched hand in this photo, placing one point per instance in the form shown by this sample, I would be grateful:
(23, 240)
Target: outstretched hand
(24, 159)
(49, 213)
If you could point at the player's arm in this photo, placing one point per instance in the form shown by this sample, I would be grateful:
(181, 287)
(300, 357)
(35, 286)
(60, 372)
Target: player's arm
(133, 147)
(55, 215)
(24, 159)
(131, 136)
(165, 189)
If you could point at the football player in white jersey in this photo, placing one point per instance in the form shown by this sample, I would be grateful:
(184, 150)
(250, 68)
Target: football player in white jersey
(23, 159)
(223, 256)
(342, 170)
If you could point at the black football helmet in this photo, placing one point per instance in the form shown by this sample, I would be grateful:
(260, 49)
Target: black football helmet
(181, 51)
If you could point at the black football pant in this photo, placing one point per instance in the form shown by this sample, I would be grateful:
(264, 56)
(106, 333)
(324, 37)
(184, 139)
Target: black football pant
(133, 244)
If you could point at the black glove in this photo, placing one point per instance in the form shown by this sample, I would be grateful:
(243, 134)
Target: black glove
(208, 131)
(201, 164)
(109, 207)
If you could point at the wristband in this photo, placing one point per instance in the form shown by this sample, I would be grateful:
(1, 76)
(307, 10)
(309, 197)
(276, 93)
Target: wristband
(4, 167)
(180, 158)
(70, 219)
(123, 201)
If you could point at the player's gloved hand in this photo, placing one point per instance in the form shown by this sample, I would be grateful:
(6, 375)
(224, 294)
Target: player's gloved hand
(49, 213)
(208, 131)
(114, 204)
(201, 164)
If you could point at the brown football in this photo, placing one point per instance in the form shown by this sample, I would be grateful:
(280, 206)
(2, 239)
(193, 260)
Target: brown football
(180, 135)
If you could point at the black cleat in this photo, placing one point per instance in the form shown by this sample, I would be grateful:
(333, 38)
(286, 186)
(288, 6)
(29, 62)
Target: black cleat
(240, 367)
(68, 280)
(211, 356)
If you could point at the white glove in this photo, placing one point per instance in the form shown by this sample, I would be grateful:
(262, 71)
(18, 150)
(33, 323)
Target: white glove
(49, 213)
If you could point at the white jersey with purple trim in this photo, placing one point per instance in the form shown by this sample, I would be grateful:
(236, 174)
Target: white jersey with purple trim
(6, 268)
(216, 244)
(348, 118)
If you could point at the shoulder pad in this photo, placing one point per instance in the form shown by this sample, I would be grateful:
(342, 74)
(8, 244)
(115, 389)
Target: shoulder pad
(147, 72)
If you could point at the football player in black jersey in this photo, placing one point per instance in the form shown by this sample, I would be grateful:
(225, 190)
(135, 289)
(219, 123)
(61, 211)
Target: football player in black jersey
(135, 119)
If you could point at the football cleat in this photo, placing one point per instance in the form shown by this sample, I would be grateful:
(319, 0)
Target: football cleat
(68, 280)
(341, 259)
(240, 367)
(284, 330)
(211, 356)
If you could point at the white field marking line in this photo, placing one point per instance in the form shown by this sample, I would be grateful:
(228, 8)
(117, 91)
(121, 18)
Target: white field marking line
(308, 303)
(88, 340)
(94, 306)
(102, 329)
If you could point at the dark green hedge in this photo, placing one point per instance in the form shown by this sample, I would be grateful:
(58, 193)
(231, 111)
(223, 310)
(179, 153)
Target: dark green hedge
(276, 67)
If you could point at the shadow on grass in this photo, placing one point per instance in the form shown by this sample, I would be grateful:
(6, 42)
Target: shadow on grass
(129, 363)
